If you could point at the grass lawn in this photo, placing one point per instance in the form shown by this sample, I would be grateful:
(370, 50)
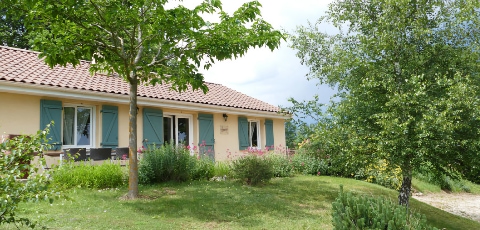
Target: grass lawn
(301, 202)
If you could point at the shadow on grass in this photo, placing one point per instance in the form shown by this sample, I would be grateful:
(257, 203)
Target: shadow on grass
(232, 202)
(284, 203)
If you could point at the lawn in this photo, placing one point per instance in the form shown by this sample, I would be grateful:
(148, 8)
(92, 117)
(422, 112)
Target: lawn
(301, 202)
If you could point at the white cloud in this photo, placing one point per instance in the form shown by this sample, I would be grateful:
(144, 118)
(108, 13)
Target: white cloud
(275, 76)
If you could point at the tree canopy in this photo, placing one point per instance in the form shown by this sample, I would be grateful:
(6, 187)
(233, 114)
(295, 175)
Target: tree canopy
(408, 76)
(13, 32)
(145, 42)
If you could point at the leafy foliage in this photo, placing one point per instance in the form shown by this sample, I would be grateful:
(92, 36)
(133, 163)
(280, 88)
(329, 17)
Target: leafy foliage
(352, 212)
(290, 134)
(379, 173)
(13, 32)
(204, 168)
(407, 74)
(86, 175)
(166, 163)
(309, 165)
(281, 165)
(444, 182)
(252, 169)
(15, 163)
(223, 168)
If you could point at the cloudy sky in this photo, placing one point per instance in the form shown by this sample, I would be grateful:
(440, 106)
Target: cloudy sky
(275, 76)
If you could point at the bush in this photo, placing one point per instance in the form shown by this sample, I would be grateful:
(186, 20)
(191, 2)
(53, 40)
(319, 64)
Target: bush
(282, 165)
(252, 169)
(86, 175)
(351, 212)
(223, 168)
(379, 173)
(166, 163)
(443, 181)
(204, 168)
(15, 157)
(309, 165)
(471, 173)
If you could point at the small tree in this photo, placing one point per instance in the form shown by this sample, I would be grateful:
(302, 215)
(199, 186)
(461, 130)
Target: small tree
(145, 42)
(15, 157)
(408, 77)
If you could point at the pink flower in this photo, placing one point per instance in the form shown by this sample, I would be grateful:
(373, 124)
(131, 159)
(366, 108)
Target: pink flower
(318, 174)
(124, 156)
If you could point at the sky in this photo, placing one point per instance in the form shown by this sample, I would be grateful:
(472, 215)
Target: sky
(273, 77)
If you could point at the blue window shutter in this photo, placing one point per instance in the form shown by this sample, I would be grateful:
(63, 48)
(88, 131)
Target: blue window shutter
(52, 111)
(206, 134)
(269, 134)
(243, 133)
(109, 126)
(152, 127)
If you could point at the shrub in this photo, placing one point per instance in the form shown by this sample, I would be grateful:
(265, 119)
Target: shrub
(86, 175)
(443, 181)
(351, 212)
(329, 151)
(204, 168)
(166, 163)
(15, 157)
(379, 173)
(223, 168)
(252, 169)
(282, 165)
(309, 165)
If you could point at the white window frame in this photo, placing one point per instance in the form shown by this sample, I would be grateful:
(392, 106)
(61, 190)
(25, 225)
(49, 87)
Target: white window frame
(259, 137)
(93, 124)
(190, 125)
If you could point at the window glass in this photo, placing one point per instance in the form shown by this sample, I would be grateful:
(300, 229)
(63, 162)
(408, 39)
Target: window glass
(253, 133)
(68, 125)
(83, 126)
(176, 129)
(167, 130)
(77, 126)
(183, 131)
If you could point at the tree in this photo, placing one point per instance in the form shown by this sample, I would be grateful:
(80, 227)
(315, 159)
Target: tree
(12, 29)
(307, 115)
(408, 78)
(290, 134)
(144, 42)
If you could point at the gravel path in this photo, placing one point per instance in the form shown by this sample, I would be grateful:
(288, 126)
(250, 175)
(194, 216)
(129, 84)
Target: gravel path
(462, 204)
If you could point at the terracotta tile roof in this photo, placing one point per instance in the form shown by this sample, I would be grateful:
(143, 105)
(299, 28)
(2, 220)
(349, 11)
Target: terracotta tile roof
(24, 66)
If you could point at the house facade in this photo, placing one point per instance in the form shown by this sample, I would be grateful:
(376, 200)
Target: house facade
(92, 111)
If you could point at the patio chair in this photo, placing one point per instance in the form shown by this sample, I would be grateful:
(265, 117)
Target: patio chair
(120, 151)
(98, 154)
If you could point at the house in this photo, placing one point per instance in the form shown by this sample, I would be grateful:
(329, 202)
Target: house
(92, 111)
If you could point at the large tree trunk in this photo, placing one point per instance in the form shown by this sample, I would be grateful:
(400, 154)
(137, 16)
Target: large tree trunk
(406, 188)
(132, 142)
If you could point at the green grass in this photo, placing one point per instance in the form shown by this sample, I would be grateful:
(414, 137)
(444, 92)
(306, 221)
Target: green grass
(425, 187)
(301, 202)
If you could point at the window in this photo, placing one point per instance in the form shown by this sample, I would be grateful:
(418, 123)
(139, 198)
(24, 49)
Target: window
(77, 126)
(254, 133)
(177, 129)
